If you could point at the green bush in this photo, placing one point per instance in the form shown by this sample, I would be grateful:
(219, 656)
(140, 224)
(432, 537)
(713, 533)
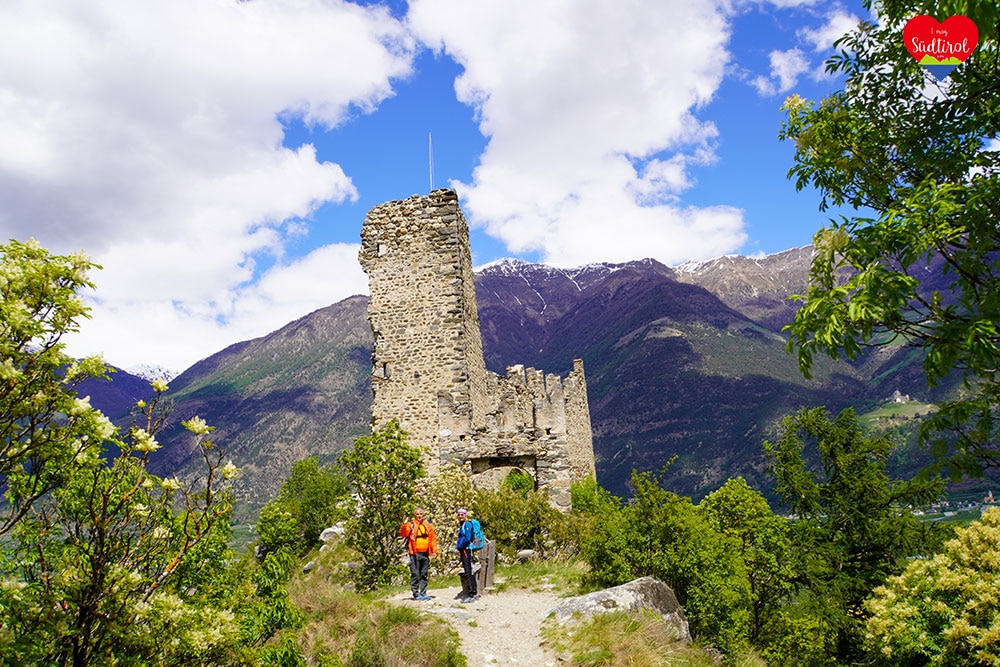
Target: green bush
(277, 529)
(315, 497)
(800, 635)
(662, 535)
(519, 481)
(517, 518)
(383, 470)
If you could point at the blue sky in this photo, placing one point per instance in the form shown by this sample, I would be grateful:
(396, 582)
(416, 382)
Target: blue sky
(217, 158)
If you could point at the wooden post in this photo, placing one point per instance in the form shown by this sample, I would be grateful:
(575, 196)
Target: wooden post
(487, 561)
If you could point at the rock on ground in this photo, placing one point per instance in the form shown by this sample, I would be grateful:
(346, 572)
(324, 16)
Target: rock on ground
(643, 593)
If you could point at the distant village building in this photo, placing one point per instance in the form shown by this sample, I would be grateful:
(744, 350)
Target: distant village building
(899, 398)
(427, 366)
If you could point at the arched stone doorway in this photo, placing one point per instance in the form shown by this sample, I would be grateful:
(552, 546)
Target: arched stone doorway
(488, 473)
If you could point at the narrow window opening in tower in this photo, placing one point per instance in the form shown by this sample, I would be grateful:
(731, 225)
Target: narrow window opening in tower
(385, 371)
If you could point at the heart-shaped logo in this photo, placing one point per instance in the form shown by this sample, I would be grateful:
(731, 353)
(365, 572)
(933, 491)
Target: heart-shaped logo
(940, 47)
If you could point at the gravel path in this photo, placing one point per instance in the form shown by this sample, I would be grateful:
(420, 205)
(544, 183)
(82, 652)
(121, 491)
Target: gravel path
(498, 628)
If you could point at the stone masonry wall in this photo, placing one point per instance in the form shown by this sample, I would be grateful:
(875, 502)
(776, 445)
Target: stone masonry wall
(427, 366)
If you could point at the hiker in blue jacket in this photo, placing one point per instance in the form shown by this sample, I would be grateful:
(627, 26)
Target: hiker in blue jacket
(465, 554)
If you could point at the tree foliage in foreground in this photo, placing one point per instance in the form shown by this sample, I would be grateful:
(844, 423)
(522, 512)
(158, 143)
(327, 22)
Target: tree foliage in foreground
(854, 528)
(383, 470)
(102, 562)
(762, 538)
(944, 610)
(919, 159)
(44, 427)
(115, 559)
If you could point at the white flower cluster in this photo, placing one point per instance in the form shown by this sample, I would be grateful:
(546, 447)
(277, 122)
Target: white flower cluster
(197, 425)
(80, 406)
(229, 471)
(105, 429)
(170, 484)
(144, 442)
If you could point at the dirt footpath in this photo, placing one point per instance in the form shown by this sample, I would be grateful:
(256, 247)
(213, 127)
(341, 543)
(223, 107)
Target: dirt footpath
(498, 628)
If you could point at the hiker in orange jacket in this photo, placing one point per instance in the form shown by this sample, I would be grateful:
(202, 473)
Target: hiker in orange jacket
(421, 543)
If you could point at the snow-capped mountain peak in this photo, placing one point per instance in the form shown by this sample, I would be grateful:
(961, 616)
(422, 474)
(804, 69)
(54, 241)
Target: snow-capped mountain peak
(150, 372)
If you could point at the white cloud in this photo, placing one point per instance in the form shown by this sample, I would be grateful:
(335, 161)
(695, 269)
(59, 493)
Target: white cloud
(789, 65)
(785, 4)
(838, 23)
(786, 68)
(182, 332)
(591, 113)
(148, 134)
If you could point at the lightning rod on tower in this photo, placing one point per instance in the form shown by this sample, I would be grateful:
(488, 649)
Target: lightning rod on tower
(430, 160)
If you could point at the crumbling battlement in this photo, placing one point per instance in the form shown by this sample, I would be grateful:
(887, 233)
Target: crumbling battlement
(427, 366)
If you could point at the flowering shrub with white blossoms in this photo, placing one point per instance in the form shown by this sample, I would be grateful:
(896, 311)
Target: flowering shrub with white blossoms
(102, 562)
(128, 549)
(943, 610)
(47, 429)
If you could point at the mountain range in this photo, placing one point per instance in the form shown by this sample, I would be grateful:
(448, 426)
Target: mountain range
(684, 365)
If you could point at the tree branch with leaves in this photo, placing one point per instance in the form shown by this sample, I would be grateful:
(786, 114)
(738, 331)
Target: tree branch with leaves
(919, 160)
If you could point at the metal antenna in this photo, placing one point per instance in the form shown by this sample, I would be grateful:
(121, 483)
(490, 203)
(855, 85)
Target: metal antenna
(430, 159)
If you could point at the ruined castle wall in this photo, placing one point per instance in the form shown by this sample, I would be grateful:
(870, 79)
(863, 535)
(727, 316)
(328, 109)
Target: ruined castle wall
(579, 435)
(428, 369)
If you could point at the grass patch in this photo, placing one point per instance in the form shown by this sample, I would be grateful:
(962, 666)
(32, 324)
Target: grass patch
(562, 577)
(896, 413)
(346, 629)
(621, 639)
(956, 518)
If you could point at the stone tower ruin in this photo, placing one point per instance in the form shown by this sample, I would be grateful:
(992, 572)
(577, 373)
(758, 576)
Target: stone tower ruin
(428, 370)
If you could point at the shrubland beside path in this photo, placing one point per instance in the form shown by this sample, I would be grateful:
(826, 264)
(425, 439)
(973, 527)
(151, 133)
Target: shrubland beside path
(500, 628)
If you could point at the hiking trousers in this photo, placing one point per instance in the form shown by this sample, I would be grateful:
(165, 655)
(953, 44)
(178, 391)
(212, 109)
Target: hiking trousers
(466, 556)
(420, 565)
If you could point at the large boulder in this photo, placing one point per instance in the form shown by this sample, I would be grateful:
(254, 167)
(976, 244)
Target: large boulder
(644, 593)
